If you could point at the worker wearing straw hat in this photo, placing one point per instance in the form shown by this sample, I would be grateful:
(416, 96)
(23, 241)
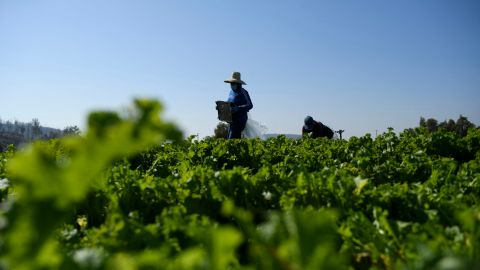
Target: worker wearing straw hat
(241, 104)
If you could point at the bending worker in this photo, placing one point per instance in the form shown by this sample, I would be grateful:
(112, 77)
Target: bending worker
(316, 128)
(241, 104)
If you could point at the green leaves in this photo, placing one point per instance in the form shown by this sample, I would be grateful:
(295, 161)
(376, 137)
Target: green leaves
(48, 185)
(131, 195)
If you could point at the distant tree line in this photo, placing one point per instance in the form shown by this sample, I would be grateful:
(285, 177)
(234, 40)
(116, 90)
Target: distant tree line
(221, 131)
(18, 133)
(460, 126)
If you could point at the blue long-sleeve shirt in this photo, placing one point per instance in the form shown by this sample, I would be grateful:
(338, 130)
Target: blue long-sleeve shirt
(240, 99)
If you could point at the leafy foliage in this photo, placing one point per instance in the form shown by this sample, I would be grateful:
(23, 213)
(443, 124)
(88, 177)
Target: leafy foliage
(131, 195)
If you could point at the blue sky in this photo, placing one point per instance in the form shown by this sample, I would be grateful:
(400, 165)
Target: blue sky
(356, 65)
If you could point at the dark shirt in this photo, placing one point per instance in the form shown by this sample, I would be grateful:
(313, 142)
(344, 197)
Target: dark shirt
(241, 100)
(319, 130)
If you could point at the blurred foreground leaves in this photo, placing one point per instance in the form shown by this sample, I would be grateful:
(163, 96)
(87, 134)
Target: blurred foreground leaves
(131, 194)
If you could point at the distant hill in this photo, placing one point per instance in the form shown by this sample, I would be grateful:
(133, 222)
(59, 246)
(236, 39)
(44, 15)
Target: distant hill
(291, 136)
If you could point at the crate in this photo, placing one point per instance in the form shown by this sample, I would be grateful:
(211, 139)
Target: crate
(224, 111)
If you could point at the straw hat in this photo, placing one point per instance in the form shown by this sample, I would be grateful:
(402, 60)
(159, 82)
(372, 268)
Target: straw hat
(236, 78)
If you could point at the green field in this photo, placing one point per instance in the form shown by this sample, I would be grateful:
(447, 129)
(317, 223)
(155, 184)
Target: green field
(119, 198)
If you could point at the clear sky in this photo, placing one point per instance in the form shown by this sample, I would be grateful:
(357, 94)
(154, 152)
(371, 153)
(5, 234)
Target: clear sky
(356, 65)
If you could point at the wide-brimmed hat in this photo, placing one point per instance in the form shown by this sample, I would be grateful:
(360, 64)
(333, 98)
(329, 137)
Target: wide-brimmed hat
(236, 78)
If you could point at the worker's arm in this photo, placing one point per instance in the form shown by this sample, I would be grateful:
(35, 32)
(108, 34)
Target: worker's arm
(248, 105)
